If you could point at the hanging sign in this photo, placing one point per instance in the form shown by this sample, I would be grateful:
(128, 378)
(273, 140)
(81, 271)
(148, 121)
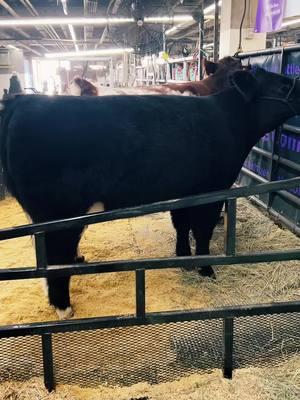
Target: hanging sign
(269, 15)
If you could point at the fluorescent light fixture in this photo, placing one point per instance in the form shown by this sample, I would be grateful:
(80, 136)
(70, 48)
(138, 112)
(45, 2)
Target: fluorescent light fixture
(291, 22)
(73, 36)
(4, 22)
(211, 8)
(169, 20)
(63, 21)
(10, 46)
(65, 7)
(97, 67)
(173, 29)
(90, 53)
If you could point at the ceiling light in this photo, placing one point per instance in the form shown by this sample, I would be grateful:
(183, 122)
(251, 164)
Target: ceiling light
(65, 7)
(173, 29)
(90, 53)
(73, 36)
(169, 20)
(63, 21)
(97, 67)
(10, 46)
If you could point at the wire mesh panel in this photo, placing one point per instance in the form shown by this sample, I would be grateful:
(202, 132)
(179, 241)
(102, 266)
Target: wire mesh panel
(20, 358)
(125, 356)
(266, 340)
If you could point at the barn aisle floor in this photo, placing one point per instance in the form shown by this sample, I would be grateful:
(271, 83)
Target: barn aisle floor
(150, 236)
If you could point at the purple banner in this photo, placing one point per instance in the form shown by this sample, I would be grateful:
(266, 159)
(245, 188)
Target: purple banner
(269, 15)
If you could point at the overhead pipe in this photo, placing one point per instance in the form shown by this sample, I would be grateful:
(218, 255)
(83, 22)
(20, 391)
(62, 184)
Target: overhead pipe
(49, 30)
(12, 12)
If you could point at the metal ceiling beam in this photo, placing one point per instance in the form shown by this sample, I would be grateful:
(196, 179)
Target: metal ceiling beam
(49, 30)
(89, 8)
(12, 12)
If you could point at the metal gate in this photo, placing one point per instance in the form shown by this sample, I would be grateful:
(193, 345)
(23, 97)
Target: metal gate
(277, 155)
(152, 347)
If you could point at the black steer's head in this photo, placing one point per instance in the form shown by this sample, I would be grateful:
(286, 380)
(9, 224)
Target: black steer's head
(269, 87)
(269, 99)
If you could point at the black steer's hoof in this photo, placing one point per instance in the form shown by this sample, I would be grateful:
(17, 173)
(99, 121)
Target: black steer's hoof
(207, 272)
(80, 260)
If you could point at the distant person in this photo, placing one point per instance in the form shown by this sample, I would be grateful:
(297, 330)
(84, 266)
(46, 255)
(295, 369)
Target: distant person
(15, 85)
(5, 95)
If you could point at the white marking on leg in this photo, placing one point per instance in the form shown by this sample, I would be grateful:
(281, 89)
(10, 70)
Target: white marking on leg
(65, 314)
(45, 287)
(96, 207)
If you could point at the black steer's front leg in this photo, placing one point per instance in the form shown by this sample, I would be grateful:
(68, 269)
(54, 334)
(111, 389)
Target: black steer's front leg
(181, 223)
(61, 249)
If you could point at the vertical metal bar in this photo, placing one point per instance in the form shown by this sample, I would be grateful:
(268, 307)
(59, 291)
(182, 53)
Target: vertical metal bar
(216, 32)
(275, 148)
(201, 40)
(228, 347)
(48, 362)
(140, 292)
(40, 250)
(230, 227)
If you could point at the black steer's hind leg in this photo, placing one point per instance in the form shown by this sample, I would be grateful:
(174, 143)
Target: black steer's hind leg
(61, 249)
(203, 220)
(181, 224)
(202, 248)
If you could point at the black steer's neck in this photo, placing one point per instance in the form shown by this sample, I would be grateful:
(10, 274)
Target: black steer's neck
(270, 113)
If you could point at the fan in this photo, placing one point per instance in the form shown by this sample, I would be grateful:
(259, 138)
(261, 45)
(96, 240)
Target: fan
(145, 38)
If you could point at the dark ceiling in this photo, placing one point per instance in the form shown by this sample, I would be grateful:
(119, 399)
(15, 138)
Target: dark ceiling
(40, 40)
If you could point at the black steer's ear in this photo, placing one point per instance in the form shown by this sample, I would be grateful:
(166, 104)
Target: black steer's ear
(245, 84)
(210, 67)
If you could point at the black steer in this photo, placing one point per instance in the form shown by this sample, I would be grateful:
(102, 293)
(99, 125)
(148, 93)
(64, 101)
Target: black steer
(61, 155)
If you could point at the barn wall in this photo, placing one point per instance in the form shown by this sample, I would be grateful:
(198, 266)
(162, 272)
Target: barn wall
(11, 60)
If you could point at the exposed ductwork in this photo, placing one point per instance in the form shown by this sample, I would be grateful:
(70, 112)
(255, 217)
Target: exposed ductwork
(46, 30)
(89, 8)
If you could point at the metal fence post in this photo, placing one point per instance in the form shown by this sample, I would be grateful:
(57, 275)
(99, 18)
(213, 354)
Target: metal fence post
(228, 347)
(230, 227)
(40, 250)
(140, 292)
(48, 362)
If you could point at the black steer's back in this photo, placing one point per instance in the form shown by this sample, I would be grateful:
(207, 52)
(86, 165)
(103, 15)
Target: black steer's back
(119, 150)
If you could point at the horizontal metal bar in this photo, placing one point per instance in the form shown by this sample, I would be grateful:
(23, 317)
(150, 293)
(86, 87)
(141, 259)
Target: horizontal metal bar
(275, 157)
(40, 328)
(283, 193)
(148, 209)
(276, 50)
(148, 264)
(289, 224)
(291, 128)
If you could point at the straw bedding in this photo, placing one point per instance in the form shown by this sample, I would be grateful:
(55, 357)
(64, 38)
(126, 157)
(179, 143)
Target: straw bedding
(112, 294)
